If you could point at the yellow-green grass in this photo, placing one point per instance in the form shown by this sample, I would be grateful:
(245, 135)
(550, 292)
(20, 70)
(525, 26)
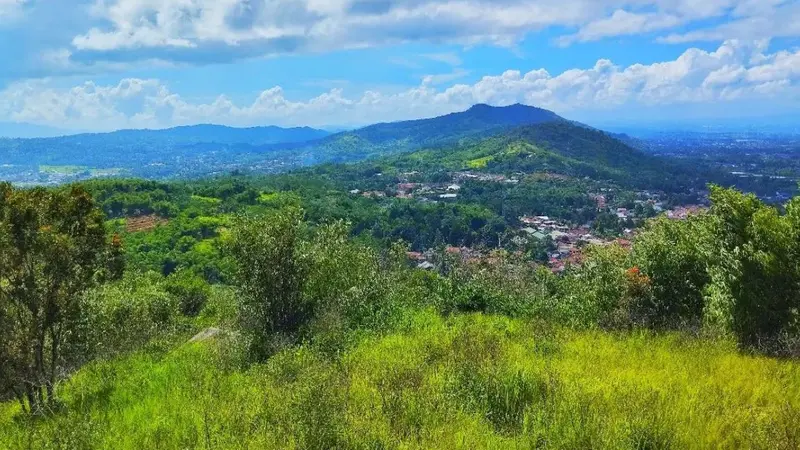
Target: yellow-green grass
(112, 172)
(62, 170)
(480, 163)
(467, 382)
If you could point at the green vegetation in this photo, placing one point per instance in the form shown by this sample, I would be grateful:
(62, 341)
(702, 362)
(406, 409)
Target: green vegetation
(466, 382)
(62, 170)
(287, 312)
(326, 342)
(53, 246)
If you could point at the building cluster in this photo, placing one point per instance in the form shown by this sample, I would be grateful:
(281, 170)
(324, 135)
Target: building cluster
(565, 242)
(484, 177)
(684, 212)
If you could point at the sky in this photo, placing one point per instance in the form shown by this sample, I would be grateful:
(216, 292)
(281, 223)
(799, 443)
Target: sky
(100, 65)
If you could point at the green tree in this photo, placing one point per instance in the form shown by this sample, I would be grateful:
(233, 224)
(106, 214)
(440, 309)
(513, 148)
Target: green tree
(675, 256)
(53, 246)
(757, 274)
(271, 272)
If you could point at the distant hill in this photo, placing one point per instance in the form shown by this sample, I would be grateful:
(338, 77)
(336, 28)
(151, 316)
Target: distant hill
(180, 151)
(557, 147)
(207, 149)
(397, 137)
(212, 134)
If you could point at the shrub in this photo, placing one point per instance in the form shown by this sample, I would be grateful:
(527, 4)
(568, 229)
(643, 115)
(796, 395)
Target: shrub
(272, 270)
(674, 255)
(125, 315)
(190, 290)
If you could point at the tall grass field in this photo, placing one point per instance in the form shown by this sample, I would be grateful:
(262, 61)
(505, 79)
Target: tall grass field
(468, 381)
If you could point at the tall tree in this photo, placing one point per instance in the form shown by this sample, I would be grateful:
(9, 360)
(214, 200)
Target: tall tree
(53, 246)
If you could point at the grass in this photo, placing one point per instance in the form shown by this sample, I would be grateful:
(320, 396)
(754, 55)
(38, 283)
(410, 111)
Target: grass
(74, 170)
(112, 172)
(471, 381)
(480, 163)
(62, 170)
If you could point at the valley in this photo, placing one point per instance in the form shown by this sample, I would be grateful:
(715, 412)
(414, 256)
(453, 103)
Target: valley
(491, 276)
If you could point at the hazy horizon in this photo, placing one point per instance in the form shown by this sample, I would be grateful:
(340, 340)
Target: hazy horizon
(102, 65)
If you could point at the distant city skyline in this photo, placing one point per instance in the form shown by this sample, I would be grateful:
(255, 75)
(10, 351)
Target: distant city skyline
(101, 65)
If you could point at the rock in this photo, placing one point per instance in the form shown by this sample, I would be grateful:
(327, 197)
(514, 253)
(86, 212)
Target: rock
(208, 333)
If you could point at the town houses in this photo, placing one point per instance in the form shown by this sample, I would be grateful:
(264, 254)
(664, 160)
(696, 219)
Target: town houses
(564, 242)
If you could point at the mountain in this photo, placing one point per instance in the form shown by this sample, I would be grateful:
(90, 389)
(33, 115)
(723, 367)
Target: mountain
(205, 149)
(180, 151)
(559, 148)
(216, 134)
(388, 138)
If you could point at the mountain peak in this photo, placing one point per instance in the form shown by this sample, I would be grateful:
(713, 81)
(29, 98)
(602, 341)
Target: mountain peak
(516, 114)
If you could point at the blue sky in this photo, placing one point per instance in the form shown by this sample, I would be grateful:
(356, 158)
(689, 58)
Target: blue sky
(96, 65)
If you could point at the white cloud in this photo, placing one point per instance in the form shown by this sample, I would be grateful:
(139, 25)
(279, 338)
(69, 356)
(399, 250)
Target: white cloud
(203, 30)
(620, 23)
(736, 71)
(63, 37)
(442, 78)
(262, 27)
(9, 9)
(450, 58)
(752, 19)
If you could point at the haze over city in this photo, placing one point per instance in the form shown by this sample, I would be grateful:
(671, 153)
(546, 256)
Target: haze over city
(101, 65)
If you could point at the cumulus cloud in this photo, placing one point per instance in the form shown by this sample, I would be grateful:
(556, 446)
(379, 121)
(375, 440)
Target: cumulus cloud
(222, 30)
(735, 71)
(9, 9)
(62, 37)
(258, 27)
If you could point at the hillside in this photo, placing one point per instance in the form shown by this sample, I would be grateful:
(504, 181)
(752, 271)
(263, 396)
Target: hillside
(383, 305)
(469, 382)
(206, 149)
(397, 137)
(188, 150)
(559, 148)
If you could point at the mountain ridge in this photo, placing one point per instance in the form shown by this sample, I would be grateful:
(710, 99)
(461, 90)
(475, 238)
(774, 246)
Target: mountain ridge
(204, 149)
(409, 135)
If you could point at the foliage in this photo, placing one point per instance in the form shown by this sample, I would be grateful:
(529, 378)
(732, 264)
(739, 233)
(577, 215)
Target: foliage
(759, 257)
(124, 316)
(733, 270)
(469, 381)
(191, 291)
(53, 246)
(272, 269)
(675, 256)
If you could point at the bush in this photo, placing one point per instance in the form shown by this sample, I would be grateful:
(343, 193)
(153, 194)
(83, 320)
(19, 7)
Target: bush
(674, 255)
(125, 315)
(272, 270)
(595, 293)
(190, 290)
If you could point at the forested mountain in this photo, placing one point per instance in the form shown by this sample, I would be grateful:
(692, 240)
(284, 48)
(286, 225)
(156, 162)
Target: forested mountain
(205, 149)
(559, 147)
(387, 138)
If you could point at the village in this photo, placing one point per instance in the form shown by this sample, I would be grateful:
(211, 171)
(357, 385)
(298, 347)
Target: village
(565, 242)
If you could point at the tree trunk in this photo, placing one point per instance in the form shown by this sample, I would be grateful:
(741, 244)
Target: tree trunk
(51, 382)
(30, 393)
